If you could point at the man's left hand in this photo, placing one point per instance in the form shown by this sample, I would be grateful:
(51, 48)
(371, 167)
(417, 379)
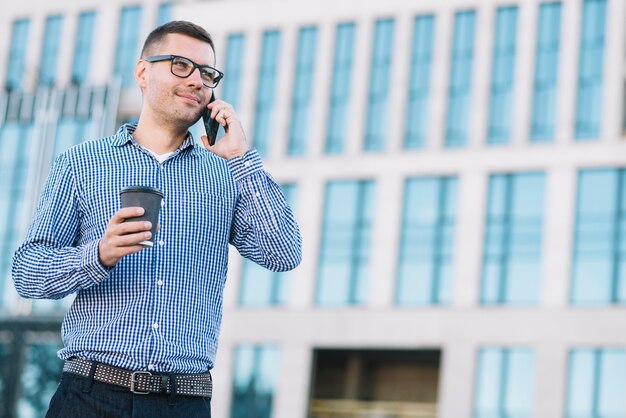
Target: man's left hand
(233, 143)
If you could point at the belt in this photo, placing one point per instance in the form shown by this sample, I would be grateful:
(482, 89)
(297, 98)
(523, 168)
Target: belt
(143, 382)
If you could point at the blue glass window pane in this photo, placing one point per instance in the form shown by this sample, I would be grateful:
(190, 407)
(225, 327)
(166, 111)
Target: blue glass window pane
(426, 249)
(344, 253)
(546, 73)
(16, 64)
(504, 383)
(231, 84)
(416, 125)
(127, 49)
(512, 254)
(82, 52)
(502, 74)
(261, 287)
(590, 69)
(596, 383)
(255, 379)
(17, 156)
(598, 276)
(165, 13)
(39, 379)
(50, 50)
(302, 92)
(266, 91)
(338, 114)
(377, 99)
(460, 84)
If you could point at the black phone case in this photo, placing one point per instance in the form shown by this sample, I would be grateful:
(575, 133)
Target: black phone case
(210, 125)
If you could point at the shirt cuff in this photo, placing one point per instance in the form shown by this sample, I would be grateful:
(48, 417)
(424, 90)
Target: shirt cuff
(246, 165)
(91, 263)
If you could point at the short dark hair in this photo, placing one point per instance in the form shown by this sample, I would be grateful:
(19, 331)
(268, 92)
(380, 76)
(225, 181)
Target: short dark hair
(176, 26)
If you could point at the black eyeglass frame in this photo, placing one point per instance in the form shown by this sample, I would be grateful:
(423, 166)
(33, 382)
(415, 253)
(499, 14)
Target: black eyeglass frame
(159, 58)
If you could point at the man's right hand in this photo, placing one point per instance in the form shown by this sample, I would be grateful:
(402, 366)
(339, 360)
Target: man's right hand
(122, 238)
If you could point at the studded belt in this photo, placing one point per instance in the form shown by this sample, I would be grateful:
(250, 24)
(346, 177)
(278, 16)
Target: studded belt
(143, 382)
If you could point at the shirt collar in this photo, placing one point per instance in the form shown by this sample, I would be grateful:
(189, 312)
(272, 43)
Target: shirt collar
(124, 135)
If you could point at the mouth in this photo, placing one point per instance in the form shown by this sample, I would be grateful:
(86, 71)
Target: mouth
(190, 97)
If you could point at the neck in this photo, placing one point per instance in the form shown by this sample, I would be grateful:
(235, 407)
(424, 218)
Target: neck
(157, 137)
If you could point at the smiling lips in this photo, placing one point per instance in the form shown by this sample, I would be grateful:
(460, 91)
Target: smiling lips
(190, 96)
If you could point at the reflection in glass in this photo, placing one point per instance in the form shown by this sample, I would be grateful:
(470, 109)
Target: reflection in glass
(502, 76)
(425, 265)
(513, 237)
(256, 371)
(416, 124)
(504, 383)
(599, 269)
(345, 244)
(596, 384)
(266, 91)
(39, 378)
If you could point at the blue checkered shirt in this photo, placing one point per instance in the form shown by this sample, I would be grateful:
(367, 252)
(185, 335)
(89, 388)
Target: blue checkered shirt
(159, 309)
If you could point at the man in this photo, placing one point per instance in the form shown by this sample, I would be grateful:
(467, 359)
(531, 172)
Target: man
(146, 320)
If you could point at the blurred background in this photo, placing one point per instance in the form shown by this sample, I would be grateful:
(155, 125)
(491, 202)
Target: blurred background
(458, 169)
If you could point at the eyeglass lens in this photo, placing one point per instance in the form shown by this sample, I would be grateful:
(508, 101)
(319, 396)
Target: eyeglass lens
(183, 67)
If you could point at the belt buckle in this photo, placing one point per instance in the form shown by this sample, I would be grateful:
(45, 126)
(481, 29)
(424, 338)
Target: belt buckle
(133, 381)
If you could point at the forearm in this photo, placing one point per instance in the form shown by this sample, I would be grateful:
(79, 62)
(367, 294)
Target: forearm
(45, 272)
(265, 230)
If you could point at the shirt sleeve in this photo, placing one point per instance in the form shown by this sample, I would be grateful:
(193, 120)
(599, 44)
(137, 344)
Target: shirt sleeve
(264, 228)
(49, 265)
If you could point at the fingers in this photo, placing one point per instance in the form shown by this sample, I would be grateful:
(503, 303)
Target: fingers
(122, 238)
(223, 113)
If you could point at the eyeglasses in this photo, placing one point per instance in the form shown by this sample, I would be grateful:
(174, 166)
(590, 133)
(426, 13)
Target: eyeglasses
(183, 67)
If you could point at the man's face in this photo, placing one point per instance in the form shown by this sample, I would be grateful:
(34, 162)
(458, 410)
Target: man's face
(172, 99)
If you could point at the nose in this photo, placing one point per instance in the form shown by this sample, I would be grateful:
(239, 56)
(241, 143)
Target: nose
(194, 78)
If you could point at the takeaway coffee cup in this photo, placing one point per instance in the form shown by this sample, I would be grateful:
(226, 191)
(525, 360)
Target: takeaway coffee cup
(148, 198)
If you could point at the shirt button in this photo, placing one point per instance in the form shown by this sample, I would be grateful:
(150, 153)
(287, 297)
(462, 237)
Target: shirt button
(160, 282)
(161, 243)
(150, 366)
(155, 325)
(247, 164)
(162, 202)
(257, 194)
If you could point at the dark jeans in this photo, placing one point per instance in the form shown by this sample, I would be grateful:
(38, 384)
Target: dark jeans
(81, 397)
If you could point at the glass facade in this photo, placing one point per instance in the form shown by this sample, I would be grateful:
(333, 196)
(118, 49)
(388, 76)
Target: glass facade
(513, 239)
(596, 383)
(502, 76)
(16, 64)
(303, 85)
(338, 115)
(258, 285)
(380, 78)
(256, 372)
(504, 383)
(266, 91)
(50, 50)
(416, 124)
(165, 13)
(83, 47)
(460, 83)
(17, 152)
(344, 254)
(599, 265)
(127, 48)
(426, 248)
(546, 73)
(233, 68)
(590, 69)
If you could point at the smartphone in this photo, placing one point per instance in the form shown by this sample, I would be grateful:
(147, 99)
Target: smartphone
(210, 125)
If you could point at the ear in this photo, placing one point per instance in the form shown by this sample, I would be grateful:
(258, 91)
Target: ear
(141, 73)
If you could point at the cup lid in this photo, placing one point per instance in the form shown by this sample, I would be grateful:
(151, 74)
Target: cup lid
(141, 189)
